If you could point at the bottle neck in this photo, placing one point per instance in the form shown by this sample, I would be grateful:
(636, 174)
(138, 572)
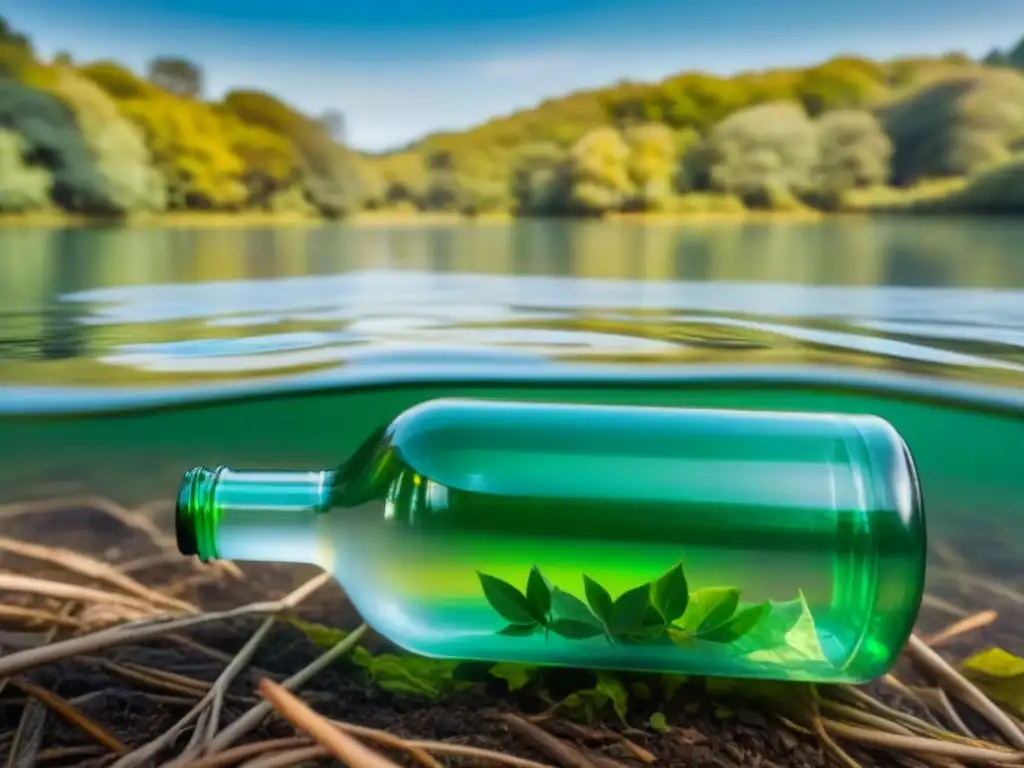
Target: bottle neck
(266, 516)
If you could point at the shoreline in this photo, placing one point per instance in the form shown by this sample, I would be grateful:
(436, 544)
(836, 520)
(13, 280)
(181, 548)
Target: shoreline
(196, 220)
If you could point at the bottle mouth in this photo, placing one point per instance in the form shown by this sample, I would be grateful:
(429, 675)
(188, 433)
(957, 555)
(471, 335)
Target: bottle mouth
(195, 514)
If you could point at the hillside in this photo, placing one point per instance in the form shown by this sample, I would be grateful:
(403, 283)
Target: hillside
(98, 139)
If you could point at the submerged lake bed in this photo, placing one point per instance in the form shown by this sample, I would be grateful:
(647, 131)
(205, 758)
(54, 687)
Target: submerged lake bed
(128, 356)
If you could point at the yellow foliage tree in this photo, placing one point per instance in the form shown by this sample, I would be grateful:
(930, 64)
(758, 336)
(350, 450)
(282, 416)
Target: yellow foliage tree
(190, 146)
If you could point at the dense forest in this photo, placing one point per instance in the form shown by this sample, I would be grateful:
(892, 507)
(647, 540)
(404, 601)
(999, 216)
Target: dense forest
(915, 133)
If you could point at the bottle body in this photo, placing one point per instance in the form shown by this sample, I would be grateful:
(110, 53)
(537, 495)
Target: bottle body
(742, 544)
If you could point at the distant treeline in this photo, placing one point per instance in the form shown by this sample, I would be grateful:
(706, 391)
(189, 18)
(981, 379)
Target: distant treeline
(923, 133)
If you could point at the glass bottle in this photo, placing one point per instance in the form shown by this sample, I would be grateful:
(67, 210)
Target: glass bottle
(728, 543)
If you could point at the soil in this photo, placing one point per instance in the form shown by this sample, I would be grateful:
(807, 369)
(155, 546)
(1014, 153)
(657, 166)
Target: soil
(703, 732)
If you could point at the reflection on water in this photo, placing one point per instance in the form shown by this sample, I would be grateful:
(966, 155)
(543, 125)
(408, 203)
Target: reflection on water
(172, 306)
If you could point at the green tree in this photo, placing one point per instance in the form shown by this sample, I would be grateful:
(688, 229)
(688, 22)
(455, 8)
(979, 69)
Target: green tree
(854, 150)
(955, 125)
(840, 83)
(120, 82)
(652, 164)
(121, 157)
(330, 174)
(23, 188)
(51, 139)
(541, 182)
(763, 153)
(16, 53)
(599, 172)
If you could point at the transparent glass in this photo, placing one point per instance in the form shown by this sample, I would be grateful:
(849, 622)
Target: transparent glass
(730, 543)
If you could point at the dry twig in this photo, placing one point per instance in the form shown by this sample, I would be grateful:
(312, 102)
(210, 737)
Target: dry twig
(965, 690)
(340, 744)
(965, 625)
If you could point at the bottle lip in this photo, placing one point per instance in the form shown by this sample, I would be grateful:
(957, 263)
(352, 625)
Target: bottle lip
(195, 513)
(184, 528)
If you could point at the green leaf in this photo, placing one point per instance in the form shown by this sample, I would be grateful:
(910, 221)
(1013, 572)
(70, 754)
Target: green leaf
(710, 608)
(629, 609)
(588, 703)
(538, 593)
(599, 599)
(659, 723)
(321, 636)
(573, 629)
(411, 675)
(670, 593)
(787, 635)
(567, 606)
(472, 672)
(507, 600)
(653, 618)
(740, 623)
(1000, 675)
(519, 630)
(517, 676)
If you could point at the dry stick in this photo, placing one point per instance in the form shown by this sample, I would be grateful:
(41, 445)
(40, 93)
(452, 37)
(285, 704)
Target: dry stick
(965, 690)
(63, 753)
(237, 754)
(936, 698)
(914, 723)
(213, 718)
(254, 716)
(968, 624)
(63, 708)
(817, 723)
(34, 615)
(12, 582)
(198, 736)
(436, 747)
(93, 569)
(564, 753)
(343, 746)
(922, 745)
(30, 658)
(900, 687)
(151, 678)
(860, 717)
(385, 739)
(29, 736)
(289, 758)
(235, 665)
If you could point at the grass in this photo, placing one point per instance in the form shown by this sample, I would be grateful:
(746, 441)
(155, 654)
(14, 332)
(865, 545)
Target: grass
(210, 653)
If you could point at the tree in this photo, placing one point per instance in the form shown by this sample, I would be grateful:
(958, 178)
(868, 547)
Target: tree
(176, 75)
(854, 150)
(121, 157)
(652, 164)
(600, 177)
(955, 125)
(330, 173)
(50, 139)
(765, 152)
(16, 51)
(541, 182)
(23, 188)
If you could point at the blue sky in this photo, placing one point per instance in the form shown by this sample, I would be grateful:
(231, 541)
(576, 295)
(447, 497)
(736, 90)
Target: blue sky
(401, 68)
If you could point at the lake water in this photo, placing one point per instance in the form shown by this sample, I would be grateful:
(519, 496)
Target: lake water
(127, 356)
